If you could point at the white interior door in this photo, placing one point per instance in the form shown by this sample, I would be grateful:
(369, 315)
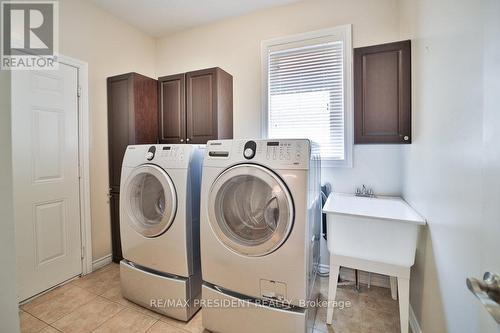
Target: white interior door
(46, 178)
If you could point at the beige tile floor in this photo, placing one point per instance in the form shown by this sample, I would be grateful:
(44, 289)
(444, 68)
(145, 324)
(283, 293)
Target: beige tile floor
(94, 304)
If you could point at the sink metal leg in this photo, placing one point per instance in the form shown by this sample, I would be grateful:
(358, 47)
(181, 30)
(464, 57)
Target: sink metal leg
(356, 278)
(332, 290)
(394, 287)
(404, 302)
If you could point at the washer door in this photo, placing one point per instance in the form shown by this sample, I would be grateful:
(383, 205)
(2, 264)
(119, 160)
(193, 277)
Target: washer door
(251, 210)
(150, 200)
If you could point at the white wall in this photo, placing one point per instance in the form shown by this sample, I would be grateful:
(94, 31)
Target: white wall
(9, 317)
(379, 166)
(110, 47)
(452, 167)
(490, 228)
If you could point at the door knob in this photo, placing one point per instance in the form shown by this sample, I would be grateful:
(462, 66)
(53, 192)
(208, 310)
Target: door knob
(182, 140)
(487, 291)
(188, 139)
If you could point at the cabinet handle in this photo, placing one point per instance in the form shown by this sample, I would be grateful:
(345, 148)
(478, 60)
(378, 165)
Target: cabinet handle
(182, 140)
(188, 139)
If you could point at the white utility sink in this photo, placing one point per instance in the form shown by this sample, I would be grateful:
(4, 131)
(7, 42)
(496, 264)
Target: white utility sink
(376, 235)
(382, 229)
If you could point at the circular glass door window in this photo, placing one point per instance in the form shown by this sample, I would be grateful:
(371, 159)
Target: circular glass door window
(150, 200)
(251, 211)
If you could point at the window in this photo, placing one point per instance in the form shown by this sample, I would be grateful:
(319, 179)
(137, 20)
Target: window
(308, 91)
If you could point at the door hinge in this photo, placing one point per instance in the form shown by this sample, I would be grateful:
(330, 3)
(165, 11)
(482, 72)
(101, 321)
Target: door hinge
(79, 91)
(83, 252)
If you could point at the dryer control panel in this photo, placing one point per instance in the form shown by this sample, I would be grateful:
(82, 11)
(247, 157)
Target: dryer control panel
(169, 152)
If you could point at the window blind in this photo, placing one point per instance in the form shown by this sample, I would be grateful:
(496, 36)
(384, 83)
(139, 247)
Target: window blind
(306, 96)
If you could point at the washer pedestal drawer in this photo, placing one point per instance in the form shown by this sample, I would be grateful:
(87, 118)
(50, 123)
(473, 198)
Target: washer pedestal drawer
(172, 296)
(227, 313)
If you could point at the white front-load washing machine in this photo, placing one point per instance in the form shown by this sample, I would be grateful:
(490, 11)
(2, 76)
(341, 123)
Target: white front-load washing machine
(260, 229)
(159, 228)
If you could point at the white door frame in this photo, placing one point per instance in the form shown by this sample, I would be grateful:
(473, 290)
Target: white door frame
(84, 159)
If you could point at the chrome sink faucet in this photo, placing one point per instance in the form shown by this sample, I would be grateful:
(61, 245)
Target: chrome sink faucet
(365, 192)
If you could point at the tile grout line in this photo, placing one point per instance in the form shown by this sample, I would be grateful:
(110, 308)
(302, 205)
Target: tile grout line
(90, 300)
(130, 307)
(176, 327)
(149, 328)
(50, 324)
(125, 307)
(107, 320)
(95, 298)
(46, 324)
(55, 328)
(121, 310)
(43, 321)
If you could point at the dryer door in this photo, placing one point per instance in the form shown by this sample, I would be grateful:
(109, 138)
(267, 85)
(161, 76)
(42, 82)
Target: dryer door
(251, 210)
(150, 200)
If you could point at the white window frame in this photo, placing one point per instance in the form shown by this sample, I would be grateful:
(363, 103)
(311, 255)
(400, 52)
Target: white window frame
(341, 33)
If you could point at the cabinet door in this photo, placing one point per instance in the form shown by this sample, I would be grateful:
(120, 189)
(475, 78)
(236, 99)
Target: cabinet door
(201, 106)
(145, 110)
(114, 202)
(382, 90)
(172, 118)
(120, 120)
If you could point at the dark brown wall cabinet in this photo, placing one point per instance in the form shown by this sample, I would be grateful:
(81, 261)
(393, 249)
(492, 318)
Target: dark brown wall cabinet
(196, 107)
(382, 93)
(132, 119)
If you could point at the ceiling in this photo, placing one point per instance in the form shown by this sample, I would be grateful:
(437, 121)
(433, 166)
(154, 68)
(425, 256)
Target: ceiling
(163, 17)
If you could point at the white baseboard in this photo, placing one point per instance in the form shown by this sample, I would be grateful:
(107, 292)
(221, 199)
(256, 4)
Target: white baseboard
(348, 275)
(414, 325)
(101, 262)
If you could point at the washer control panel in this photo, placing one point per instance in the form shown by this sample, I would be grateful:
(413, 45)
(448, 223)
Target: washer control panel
(286, 153)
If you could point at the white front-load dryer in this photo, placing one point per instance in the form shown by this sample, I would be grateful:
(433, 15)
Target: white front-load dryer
(159, 228)
(260, 220)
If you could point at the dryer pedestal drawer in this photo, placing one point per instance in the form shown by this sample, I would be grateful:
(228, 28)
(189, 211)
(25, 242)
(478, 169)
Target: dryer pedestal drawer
(225, 313)
(176, 297)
